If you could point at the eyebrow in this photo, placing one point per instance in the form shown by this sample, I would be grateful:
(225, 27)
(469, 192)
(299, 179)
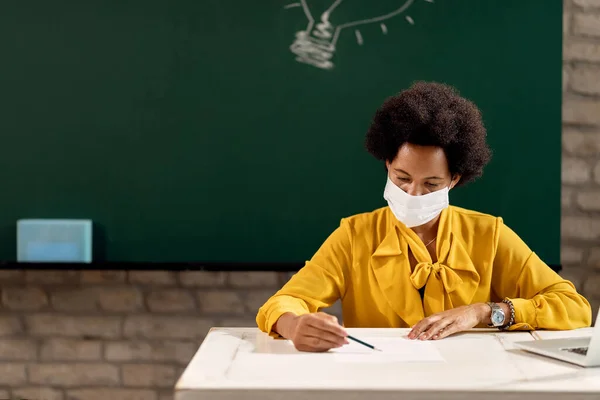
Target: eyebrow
(406, 173)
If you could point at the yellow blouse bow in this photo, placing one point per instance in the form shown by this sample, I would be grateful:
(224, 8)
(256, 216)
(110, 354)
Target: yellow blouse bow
(435, 273)
(441, 279)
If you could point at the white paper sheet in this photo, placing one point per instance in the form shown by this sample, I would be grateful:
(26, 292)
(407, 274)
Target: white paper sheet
(398, 349)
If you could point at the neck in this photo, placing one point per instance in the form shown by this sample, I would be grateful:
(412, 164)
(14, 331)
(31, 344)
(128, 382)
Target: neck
(429, 230)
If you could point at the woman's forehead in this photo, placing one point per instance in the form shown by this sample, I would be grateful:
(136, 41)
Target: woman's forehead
(421, 160)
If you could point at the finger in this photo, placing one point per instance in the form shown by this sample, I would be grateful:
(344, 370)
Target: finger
(334, 321)
(418, 328)
(327, 317)
(436, 328)
(422, 325)
(327, 324)
(449, 330)
(314, 343)
(334, 339)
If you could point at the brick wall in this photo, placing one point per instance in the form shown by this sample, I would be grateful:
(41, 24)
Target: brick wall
(97, 335)
(581, 147)
(91, 335)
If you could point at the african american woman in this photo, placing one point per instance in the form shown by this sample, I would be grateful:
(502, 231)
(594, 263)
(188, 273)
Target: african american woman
(420, 262)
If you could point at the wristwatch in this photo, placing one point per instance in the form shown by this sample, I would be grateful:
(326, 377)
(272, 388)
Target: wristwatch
(497, 316)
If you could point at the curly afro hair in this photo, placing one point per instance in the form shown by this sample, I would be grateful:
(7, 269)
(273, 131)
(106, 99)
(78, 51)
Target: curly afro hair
(432, 114)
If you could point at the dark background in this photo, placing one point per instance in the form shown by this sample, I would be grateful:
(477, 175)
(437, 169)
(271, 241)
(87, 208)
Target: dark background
(189, 134)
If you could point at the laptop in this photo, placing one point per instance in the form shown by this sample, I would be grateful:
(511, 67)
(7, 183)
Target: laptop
(584, 351)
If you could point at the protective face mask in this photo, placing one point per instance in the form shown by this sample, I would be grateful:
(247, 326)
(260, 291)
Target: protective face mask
(415, 210)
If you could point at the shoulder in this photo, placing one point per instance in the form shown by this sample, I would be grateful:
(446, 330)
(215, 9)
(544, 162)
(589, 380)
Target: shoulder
(473, 217)
(368, 221)
(367, 228)
(474, 223)
(483, 230)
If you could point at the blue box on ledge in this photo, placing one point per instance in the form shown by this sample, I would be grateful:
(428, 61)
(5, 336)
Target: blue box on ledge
(54, 240)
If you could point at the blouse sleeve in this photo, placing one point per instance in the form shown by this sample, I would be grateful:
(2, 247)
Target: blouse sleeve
(319, 284)
(541, 298)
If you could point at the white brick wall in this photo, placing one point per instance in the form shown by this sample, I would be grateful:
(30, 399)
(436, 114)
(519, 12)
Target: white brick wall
(581, 147)
(87, 335)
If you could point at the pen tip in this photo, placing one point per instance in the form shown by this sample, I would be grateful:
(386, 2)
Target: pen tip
(377, 349)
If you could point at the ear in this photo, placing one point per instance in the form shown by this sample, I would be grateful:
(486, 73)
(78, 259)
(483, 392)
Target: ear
(454, 181)
(387, 165)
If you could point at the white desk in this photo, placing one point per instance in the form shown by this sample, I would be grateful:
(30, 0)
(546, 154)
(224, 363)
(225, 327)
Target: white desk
(244, 363)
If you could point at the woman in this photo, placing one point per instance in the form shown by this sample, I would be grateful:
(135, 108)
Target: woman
(419, 262)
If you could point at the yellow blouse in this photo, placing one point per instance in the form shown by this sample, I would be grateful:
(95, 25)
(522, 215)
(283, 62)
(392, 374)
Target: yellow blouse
(364, 262)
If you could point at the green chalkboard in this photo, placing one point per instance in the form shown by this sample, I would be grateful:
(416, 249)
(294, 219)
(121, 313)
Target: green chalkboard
(191, 131)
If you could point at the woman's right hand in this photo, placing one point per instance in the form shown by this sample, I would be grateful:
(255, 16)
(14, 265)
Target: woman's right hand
(315, 332)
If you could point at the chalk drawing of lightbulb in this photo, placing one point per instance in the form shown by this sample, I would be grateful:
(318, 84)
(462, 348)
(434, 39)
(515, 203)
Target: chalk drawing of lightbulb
(316, 44)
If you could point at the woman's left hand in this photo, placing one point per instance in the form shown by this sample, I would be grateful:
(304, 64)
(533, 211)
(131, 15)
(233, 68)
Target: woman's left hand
(440, 325)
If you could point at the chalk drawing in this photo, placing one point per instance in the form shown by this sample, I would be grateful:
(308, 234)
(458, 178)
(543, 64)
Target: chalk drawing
(359, 38)
(316, 44)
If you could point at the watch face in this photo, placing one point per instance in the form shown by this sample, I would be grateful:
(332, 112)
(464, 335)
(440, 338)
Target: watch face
(497, 318)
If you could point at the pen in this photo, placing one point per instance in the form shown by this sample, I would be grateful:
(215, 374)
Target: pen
(363, 343)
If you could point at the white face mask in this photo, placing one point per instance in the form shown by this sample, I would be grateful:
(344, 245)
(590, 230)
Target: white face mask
(415, 210)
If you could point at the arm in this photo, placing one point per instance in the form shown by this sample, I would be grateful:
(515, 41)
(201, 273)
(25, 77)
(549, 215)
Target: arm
(319, 284)
(541, 298)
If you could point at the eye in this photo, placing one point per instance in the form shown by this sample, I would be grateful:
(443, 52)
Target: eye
(402, 179)
(432, 185)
